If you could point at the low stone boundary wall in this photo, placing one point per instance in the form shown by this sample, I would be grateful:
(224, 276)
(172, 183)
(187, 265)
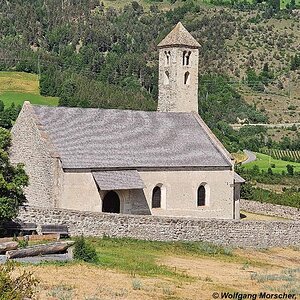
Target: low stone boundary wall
(224, 232)
(270, 209)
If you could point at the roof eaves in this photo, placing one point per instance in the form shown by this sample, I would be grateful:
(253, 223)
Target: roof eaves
(216, 143)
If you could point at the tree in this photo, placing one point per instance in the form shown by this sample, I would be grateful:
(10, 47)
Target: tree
(290, 170)
(12, 181)
(275, 4)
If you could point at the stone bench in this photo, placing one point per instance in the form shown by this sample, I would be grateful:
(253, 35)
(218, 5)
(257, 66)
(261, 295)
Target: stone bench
(20, 228)
(61, 230)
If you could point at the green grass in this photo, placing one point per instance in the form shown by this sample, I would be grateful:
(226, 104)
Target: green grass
(20, 97)
(142, 257)
(264, 162)
(18, 87)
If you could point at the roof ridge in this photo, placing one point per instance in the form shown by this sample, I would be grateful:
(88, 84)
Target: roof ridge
(107, 109)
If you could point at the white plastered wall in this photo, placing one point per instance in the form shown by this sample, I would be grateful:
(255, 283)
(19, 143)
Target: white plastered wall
(181, 193)
(79, 191)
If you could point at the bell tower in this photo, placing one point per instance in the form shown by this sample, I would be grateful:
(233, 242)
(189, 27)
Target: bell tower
(178, 72)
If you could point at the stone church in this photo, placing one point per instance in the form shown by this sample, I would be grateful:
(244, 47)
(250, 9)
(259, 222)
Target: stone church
(131, 162)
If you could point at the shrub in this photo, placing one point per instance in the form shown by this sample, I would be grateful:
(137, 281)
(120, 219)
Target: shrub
(17, 287)
(84, 250)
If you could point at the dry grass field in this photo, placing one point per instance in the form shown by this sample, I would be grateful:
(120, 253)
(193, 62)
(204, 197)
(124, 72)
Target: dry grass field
(129, 269)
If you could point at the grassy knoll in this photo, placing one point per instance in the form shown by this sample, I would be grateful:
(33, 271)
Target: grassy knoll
(264, 162)
(18, 87)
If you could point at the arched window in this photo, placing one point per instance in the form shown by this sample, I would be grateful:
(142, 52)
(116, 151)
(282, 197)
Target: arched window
(201, 196)
(156, 197)
(168, 57)
(186, 78)
(167, 78)
(186, 58)
(183, 58)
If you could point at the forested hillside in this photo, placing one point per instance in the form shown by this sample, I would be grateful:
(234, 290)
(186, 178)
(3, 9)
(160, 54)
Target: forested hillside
(103, 54)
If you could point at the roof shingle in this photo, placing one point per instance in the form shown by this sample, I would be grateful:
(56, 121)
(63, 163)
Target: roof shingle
(87, 138)
(179, 36)
(118, 180)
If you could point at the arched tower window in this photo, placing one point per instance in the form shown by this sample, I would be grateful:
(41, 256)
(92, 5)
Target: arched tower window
(156, 197)
(201, 196)
(167, 78)
(186, 58)
(183, 58)
(168, 57)
(186, 78)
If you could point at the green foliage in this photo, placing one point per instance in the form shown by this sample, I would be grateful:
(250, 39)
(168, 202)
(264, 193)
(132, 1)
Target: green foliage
(253, 80)
(8, 115)
(12, 181)
(290, 170)
(287, 198)
(295, 62)
(16, 287)
(23, 243)
(220, 104)
(85, 251)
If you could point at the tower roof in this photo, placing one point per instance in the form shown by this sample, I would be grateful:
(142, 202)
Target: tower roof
(179, 36)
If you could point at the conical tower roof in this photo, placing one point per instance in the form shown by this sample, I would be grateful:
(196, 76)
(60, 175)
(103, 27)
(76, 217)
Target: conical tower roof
(179, 36)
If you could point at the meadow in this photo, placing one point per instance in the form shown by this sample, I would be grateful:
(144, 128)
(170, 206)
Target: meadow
(133, 269)
(18, 87)
(265, 161)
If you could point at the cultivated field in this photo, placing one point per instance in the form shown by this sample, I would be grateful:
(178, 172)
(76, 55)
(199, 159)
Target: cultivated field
(264, 162)
(130, 269)
(19, 86)
(288, 155)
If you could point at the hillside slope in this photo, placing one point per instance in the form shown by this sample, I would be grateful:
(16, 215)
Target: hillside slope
(19, 86)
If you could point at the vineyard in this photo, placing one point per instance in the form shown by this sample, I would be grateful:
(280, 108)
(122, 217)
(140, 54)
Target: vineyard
(287, 155)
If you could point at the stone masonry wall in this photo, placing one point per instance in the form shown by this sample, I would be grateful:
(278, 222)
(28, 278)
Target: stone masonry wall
(29, 146)
(271, 209)
(225, 232)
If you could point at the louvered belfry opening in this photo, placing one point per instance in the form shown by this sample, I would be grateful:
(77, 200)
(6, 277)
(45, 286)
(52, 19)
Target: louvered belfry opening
(111, 203)
(201, 196)
(156, 197)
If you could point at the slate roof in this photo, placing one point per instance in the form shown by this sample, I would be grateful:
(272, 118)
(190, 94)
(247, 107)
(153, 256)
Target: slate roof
(87, 138)
(238, 178)
(118, 180)
(179, 36)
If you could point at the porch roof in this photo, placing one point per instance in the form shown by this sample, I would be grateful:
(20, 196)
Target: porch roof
(118, 180)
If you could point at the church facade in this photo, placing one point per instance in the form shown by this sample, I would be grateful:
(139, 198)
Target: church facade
(132, 162)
